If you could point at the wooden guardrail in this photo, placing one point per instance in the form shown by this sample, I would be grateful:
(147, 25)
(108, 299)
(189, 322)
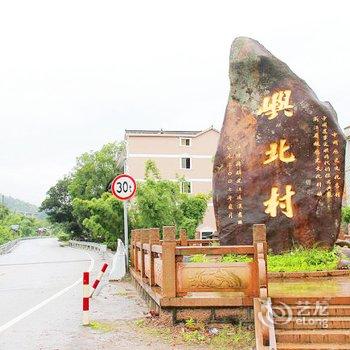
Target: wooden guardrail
(165, 264)
(163, 269)
(265, 337)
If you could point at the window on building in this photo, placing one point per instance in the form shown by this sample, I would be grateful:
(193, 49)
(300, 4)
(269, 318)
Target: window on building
(206, 235)
(185, 163)
(186, 187)
(185, 142)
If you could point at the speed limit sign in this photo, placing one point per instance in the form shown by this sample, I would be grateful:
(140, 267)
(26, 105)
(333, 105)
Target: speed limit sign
(123, 187)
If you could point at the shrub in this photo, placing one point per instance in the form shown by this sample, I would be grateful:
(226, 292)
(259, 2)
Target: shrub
(345, 214)
(231, 258)
(199, 258)
(299, 259)
(302, 259)
(63, 236)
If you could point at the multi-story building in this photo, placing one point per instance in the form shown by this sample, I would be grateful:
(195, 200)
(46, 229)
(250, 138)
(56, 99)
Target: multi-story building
(187, 154)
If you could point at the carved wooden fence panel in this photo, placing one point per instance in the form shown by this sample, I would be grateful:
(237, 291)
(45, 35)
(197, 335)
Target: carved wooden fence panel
(213, 277)
(154, 261)
(161, 267)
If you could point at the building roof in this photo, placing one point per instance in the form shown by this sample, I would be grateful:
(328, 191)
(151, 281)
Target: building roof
(347, 132)
(168, 132)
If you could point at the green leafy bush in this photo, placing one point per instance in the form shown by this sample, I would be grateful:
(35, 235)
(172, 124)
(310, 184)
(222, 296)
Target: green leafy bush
(231, 258)
(302, 259)
(199, 258)
(63, 236)
(299, 259)
(160, 203)
(345, 214)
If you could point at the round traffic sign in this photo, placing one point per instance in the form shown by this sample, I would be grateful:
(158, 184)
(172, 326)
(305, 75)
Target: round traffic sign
(123, 187)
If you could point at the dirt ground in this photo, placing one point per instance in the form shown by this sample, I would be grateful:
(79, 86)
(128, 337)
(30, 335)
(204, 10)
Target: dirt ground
(120, 320)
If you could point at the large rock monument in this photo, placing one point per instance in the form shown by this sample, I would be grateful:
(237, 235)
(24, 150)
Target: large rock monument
(280, 159)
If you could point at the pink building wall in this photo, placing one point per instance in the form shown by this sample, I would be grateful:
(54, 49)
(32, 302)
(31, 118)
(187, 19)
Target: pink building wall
(165, 149)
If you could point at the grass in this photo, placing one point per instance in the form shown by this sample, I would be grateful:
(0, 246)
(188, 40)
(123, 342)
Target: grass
(163, 333)
(301, 259)
(197, 333)
(297, 260)
(233, 337)
(199, 258)
(121, 293)
(230, 258)
(193, 337)
(140, 323)
(100, 326)
(227, 258)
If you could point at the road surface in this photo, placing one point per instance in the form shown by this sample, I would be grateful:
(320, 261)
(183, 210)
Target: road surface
(40, 294)
(41, 303)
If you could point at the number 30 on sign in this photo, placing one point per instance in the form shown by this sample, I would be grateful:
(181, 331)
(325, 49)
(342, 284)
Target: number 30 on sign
(123, 187)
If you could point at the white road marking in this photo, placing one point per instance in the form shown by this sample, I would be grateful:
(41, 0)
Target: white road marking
(45, 302)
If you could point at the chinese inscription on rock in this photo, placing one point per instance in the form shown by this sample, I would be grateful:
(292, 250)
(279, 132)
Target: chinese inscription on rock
(280, 158)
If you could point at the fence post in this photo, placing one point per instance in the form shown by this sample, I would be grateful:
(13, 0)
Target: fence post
(183, 237)
(260, 258)
(143, 239)
(169, 233)
(197, 235)
(153, 239)
(132, 248)
(168, 262)
(137, 239)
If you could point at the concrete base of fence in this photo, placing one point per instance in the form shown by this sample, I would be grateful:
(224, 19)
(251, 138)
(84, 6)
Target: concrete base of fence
(238, 314)
(212, 314)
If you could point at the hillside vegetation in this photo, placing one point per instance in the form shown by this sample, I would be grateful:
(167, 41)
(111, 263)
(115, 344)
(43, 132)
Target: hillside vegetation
(19, 206)
(15, 225)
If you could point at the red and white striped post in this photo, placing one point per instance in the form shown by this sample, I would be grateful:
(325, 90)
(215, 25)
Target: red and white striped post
(86, 292)
(98, 279)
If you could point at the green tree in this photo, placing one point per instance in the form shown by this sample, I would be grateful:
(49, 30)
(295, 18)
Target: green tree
(160, 203)
(345, 213)
(193, 209)
(94, 171)
(101, 217)
(4, 212)
(58, 205)
(27, 225)
(5, 234)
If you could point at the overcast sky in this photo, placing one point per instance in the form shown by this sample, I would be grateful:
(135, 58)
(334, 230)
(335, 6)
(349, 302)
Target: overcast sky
(75, 74)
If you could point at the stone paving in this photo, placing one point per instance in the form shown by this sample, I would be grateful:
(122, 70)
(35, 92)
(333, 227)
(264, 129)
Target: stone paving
(311, 287)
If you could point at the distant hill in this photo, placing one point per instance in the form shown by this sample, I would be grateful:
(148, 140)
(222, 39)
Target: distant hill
(20, 206)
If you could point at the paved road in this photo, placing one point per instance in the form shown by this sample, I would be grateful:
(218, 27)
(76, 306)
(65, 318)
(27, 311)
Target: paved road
(41, 303)
(40, 294)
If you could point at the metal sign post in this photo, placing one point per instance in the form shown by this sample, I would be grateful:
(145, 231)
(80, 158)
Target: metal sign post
(126, 233)
(124, 188)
